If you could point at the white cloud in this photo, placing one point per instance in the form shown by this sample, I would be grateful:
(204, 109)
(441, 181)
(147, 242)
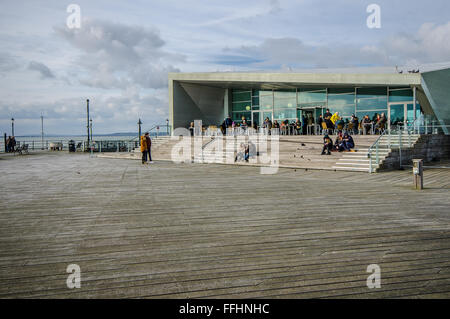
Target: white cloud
(116, 55)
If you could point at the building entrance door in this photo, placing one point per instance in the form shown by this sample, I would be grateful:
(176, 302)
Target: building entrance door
(256, 118)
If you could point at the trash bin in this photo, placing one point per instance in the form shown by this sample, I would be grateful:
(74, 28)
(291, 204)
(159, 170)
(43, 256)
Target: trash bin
(72, 146)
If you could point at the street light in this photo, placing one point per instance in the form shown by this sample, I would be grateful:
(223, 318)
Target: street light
(139, 137)
(90, 125)
(87, 121)
(12, 126)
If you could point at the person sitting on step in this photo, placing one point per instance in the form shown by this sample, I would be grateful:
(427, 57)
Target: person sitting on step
(339, 143)
(327, 145)
(348, 142)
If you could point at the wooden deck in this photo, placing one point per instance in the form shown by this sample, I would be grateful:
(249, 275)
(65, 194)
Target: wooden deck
(217, 231)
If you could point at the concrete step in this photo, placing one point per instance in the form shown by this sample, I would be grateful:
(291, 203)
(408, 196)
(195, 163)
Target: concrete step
(351, 168)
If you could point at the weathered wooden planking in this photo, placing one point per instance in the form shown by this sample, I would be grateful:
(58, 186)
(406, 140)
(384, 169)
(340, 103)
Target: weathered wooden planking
(207, 231)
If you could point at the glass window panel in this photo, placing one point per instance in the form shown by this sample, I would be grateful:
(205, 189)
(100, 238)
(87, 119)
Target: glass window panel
(311, 89)
(255, 100)
(397, 113)
(344, 110)
(312, 97)
(371, 114)
(241, 106)
(340, 100)
(266, 101)
(371, 92)
(279, 104)
(401, 96)
(265, 92)
(237, 116)
(284, 114)
(340, 90)
(285, 94)
(241, 96)
(318, 105)
(372, 104)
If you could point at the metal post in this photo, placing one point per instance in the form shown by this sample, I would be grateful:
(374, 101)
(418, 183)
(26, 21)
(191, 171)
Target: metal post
(409, 139)
(418, 173)
(377, 155)
(90, 126)
(4, 141)
(42, 132)
(167, 124)
(139, 134)
(87, 122)
(12, 126)
(400, 148)
(415, 101)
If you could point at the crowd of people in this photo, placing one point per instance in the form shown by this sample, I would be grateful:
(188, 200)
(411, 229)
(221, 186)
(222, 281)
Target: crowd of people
(344, 143)
(10, 144)
(307, 125)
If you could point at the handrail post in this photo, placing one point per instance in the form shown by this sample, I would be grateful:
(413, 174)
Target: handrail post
(370, 161)
(389, 139)
(400, 148)
(377, 155)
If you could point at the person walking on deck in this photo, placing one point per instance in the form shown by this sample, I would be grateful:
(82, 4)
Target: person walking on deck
(149, 147)
(144, 148)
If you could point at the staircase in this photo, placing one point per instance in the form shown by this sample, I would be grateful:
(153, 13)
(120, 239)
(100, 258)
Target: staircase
(372, 158)
(223, 150)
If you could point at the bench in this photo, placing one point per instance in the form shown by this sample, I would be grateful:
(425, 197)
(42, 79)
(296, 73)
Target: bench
(21, 149)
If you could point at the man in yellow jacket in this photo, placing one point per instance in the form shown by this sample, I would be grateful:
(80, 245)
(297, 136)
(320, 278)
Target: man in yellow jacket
(144, 148)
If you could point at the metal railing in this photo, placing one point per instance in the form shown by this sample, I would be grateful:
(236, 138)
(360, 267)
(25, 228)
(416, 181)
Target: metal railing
(161, 130)
(376, 148)
(396, 139)
(80, 145)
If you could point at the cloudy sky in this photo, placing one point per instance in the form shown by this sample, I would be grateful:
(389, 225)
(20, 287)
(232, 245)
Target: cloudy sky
(121, 55)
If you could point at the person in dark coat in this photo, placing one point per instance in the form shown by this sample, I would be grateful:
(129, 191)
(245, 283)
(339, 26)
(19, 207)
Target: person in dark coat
(228, 122)
(327, 145)
(8, 143)
(304, 125)
(149, 147)
(348, 142)
(12, 144)
(355, 123)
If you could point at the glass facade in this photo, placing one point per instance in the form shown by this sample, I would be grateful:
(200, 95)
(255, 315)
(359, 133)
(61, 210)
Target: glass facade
(290, 104)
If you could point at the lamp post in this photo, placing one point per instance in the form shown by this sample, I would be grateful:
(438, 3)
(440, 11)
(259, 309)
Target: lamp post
(87, 122)
(167, 125)
(42, 131)
(90, 125)
(12, 126)
(139, 136)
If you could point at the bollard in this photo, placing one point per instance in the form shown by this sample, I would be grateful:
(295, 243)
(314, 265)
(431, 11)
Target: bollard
(418, 173)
